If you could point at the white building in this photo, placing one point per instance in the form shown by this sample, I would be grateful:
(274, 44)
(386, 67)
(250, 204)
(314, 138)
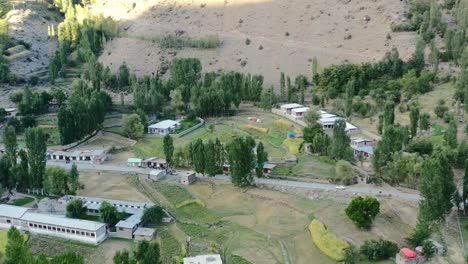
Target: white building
(26, 219)
(164, 127)
(157, 175)
(287, 108)
(328, 122)
(299, 112)
(204, 259)
(96, 156)
(362, 146)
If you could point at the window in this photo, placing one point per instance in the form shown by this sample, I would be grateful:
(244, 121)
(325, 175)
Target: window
(68, 230)
(40, 226)
(8, 221)
(73, 231)
(54, 228)
(121, 228)
(35, 225)
(31, 225)
(88, 234)
(49, 227)
(82, 233)
(93, 235)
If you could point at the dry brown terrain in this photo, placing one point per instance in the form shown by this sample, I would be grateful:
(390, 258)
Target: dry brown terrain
(291, 33)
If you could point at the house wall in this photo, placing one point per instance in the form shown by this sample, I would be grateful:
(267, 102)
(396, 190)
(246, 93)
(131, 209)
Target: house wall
(124, 232)
(139, 237)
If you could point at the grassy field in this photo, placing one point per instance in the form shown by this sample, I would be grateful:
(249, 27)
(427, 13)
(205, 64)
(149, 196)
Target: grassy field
(309, 166)
(23, 201)
(227, 128)
(261, 226)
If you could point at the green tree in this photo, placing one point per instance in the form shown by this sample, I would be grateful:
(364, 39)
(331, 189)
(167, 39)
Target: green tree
(23, 180)
(9, 140)
(349, 97)
(465, 185)
(262, 157)
(109, 214)
(198, 156)
(362, 211)
(340, 148)
(417, 60)
(168, 148)
(123, 257)
(282, 88)
(132, 126)
(450, 135)
(37, 149)
(424, 121)
(414, 119)
(241, 161)
(379, 249)
(152, 254)
(124, 75)
(421, 233)
(74, 178)
(389, 114)
(68, 257)
(152, 215)
(56, 181)
(210, 158)
(351, 255)
(76, 209)
(16, 251)
(177, 101)
(437, 187)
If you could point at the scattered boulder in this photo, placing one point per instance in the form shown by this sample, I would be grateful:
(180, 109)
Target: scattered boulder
(260, 47)
(243, 63)
(247, 41)
(163, 68)
(348, 36)
(367, 18)
(286, 34)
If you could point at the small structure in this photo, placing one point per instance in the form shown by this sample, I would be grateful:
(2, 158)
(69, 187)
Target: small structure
(362, 146)
(408, 256)
(268, 168)
(164, 127)
(351, 129)
(188, 178)
(204, 259)
(287, 108)
(144, 234)
(157, 175)
(155, 162)
(134, 162)
(299, 112)
(87, 156)
(10, 112)
(126, 228)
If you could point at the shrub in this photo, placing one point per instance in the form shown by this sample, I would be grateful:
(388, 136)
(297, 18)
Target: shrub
(428, 249)
(402, 27)
(315, 99)
(362, 211)
(327, 242)
(423, 147)
(190, 202)
(379, 249)
(440, 109)
(419, 235)
(34, 80)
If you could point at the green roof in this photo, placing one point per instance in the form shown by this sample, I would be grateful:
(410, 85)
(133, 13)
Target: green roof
(134, 160)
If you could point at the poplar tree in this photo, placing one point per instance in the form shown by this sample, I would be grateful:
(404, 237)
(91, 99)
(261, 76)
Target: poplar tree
(389, 114)
(424, 121)
(262, 157)
(210, 158)
(198, 156)
(349, 97)
(241, 161)
(23, 180)
(283, 88)
(9, 140)
(414, 120)
(450, 135)
(168, 148)
(340, 148)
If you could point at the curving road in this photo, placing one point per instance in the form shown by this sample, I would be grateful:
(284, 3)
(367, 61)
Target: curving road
(359, 188)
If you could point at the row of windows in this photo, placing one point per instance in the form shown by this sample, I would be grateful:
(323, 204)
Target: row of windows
(120, 205)
(63, 230)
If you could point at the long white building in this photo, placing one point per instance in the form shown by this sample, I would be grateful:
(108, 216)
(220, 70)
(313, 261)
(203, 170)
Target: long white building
(27, 219)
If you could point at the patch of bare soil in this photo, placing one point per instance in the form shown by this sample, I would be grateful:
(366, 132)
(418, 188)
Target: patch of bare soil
(111, 185)
(283, 35)
(29, 22)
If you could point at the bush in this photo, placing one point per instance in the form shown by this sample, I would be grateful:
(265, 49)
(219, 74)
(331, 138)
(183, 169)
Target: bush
(428, 249)
(402, 27)
(440, 109)
(315, 99)
(327, 242)
(379, 249)
(423, 147)
(34, 80)
(362, 211)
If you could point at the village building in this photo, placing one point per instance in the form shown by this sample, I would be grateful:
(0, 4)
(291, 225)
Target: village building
(26, 219)
(188, 178)
(10, 112)
(86, 156)
(134, 162)
(328, 122)
(157, 175)
(155, 162)
(126, 228)
(362, 146)
(299, 112)
(287, 108)
(143, 233)
(268, 168)
(164, 127)
(204, 259)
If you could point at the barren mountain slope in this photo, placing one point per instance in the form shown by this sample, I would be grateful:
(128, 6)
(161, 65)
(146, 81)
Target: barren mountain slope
(290, 33)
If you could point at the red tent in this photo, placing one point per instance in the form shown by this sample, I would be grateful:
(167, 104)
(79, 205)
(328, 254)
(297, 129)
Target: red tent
(408, 253)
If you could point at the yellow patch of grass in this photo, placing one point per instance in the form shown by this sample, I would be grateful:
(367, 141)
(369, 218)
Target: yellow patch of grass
(327, 242)
(293, 145)
(256, 128)
(190, 202)
(283, 123)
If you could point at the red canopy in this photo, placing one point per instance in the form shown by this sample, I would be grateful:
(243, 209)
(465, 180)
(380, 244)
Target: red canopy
(408, 253)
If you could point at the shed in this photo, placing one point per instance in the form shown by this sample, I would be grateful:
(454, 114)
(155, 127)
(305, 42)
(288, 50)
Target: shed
(143, 233)
(156, 175)
(134, 162)
(268, 168)
(188, 178)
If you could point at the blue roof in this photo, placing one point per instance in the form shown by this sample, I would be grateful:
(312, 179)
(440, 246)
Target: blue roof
(366, 149)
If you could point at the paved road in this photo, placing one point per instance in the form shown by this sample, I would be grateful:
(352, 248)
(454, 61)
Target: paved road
(360, 188)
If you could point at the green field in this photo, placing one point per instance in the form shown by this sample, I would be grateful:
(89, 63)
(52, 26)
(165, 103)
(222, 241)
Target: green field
(226, 129)
(309, 166)
(23, 201)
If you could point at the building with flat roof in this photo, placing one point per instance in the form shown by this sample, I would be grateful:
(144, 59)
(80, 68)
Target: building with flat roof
(155, 162)
(164, 127)
(157, 175)
(26, 219)
(188, 178)
(299, 112)
(287, 108)
(143, 233)
(204, 259)
(87, 156)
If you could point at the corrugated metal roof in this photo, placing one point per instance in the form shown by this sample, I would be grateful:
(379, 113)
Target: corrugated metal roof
(12, 211)
(289, 106)
(62, 221)
(130, 222)
(300, 109)
(165, 124)
(141, 231)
